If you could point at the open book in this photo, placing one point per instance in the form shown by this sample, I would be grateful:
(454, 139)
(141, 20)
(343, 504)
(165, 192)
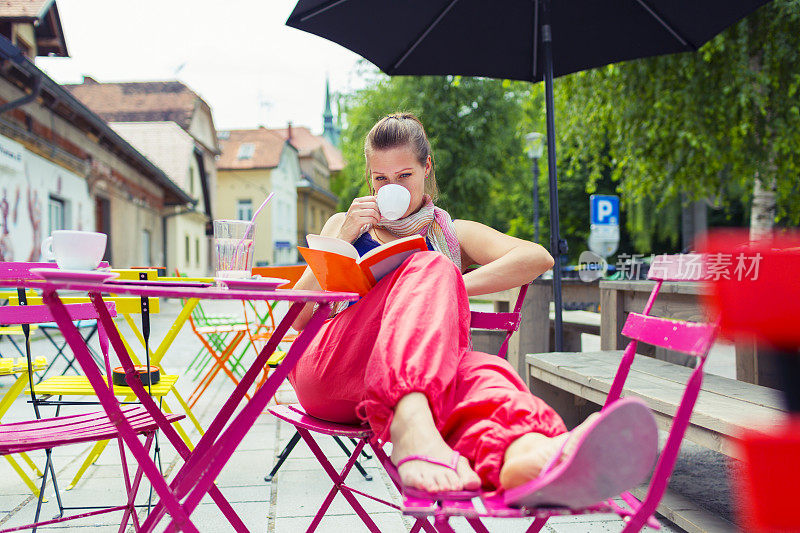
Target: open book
(338, 267)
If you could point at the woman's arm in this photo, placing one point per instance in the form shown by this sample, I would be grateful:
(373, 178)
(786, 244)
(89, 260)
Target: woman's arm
(307, 281)
(507, 262)
(346, 226)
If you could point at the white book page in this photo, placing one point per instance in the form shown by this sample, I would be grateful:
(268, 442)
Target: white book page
(332, 244)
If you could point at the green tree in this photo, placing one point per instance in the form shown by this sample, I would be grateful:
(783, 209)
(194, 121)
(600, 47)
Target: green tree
(712, 124)
(476, 127)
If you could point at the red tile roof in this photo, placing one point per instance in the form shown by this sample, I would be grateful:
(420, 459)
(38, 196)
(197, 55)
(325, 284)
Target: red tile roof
(267, 149)
(146, 101)
(305, 142)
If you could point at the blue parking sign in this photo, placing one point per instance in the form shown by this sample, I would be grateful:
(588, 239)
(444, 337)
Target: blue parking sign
(604, 209)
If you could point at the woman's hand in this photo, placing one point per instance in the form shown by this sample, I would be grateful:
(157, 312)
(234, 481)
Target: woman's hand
(362, 211)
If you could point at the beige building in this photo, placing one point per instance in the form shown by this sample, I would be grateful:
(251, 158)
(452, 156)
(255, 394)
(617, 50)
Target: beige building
(319, 162)
(174, 128)
(253, 164)
(62, 166)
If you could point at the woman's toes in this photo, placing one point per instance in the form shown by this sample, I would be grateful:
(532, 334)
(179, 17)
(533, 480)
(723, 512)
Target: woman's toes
(472, 481)
(454, 481)
(436, 483)
(468, 478)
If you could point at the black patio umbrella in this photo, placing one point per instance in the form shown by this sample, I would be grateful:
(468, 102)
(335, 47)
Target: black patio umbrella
(529, 40)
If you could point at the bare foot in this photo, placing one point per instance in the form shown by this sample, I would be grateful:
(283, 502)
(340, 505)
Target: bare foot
(413, 432)
(527, 456)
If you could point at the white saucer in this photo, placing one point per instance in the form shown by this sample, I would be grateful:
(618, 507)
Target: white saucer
(88, 276)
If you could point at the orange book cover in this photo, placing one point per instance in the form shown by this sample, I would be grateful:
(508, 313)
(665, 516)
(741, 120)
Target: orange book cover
(337, 266)
(335, 272)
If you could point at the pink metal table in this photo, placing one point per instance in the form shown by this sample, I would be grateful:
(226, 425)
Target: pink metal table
(202, 465)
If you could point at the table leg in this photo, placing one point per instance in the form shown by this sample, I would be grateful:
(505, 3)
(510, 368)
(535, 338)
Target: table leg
(172, 435)
(109, 402)
(211, 453)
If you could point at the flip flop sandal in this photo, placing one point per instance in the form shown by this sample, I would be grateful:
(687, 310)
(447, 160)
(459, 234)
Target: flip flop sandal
(411, 492)
(614, 454)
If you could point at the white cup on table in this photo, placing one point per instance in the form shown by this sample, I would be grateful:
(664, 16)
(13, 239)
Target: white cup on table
(75, 250)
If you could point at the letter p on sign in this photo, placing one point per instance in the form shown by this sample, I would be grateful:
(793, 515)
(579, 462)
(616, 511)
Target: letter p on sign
(604, 209)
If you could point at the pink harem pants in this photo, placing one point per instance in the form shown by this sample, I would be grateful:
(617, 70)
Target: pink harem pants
(410, 333)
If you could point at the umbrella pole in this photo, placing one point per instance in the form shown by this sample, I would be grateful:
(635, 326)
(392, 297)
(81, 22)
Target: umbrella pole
(558, 246)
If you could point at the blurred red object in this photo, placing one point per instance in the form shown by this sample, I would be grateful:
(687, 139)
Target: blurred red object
(768, 484)
(755, 287)
(755, 294)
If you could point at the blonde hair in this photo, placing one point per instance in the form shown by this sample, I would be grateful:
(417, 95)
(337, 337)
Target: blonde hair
(398, 130)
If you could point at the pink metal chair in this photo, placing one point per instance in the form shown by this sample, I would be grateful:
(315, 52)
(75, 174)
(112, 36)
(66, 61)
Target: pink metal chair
(686, 337)
(360, 435)
(47, 433)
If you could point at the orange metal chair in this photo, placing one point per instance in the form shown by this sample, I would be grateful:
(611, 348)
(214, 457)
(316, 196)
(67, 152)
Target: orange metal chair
(261, 329)
(220, 356)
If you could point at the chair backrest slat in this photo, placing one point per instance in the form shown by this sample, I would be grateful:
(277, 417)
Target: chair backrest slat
(131, 305)
(691, 338)
(508, 321)
(36, 314)
(498, 321)
(290, 272)
(681, 267)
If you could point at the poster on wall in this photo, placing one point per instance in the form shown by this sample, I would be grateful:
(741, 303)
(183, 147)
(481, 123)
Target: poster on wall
(37, 197)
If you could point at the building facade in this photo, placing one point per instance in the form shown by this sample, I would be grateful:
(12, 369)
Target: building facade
(253, 164)
(320, 161)
(65, 168)
(174, 128)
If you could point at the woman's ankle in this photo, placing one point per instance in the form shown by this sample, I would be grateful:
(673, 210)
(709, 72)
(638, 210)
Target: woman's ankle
(413, 408)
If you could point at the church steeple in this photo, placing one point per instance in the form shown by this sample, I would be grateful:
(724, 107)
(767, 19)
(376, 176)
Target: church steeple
(329, 129)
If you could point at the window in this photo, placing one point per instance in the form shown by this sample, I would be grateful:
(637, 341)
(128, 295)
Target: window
(244, 209)
(55, 209)
(246, 151)
(146, 257)
(24, 47)
(191, 180)
(197, 252)
(187, 249)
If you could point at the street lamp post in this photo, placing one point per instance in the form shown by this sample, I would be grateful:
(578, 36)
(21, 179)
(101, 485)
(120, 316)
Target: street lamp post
(535, 149)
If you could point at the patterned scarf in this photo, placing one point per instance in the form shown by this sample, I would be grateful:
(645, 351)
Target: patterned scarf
(431, 222)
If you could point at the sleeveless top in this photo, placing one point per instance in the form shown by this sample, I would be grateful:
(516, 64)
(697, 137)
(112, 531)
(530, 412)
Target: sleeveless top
(366, 242)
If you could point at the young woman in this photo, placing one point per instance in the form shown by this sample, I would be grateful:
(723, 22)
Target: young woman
(400, 358)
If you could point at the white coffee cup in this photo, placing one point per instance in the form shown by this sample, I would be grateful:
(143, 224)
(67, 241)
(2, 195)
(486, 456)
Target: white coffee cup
(75, 250)
(393, 201)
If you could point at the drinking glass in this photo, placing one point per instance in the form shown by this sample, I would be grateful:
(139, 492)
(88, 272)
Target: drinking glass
(233, 242)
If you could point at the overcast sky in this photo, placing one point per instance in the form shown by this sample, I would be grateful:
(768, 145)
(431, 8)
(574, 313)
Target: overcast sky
(238, 55)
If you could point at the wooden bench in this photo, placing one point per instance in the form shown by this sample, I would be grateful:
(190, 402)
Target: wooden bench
(576, 384)
(574, 324)
(535, 332)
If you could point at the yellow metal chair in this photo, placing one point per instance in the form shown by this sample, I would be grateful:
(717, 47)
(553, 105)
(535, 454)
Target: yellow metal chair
(10, 366)
(126, 306)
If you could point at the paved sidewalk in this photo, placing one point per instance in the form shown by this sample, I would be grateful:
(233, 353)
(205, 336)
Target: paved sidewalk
(287, 504)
